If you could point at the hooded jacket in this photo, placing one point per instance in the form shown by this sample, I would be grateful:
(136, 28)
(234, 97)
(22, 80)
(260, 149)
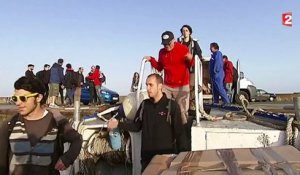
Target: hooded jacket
(56, 74)
(158, 134)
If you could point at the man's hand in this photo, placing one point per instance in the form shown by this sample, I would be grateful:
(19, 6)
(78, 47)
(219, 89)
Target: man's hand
(148, 58)
(189, 56)
(112, 124)
(60, 165)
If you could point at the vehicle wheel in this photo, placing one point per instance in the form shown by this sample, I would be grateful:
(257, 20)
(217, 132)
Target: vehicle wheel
(85, 103)
(271, 99)
(243, 93)
(237, 97)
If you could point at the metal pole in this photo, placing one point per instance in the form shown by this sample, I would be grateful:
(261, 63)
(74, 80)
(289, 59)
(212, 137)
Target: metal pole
(140, 83)
(76, 118)
(297, 107)
(239, 77)
(198, 101)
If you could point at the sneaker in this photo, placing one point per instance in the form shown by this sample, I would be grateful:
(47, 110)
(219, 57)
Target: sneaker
(53, 106)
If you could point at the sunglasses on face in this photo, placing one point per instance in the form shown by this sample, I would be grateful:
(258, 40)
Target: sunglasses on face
(23, 98)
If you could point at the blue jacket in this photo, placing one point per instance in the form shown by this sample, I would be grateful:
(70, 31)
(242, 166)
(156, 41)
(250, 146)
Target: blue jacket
(56, 74)
(216, 66)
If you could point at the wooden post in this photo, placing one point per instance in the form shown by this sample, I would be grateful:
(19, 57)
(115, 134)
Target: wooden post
(297, 107)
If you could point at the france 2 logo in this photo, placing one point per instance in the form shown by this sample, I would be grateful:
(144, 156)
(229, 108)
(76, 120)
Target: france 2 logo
(287, 19)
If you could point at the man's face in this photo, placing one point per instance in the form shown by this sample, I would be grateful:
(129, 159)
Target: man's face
(185, 32)
(47, 68)
(93, 68)
(31, 68)
(25, 101)
(169, 46)
(81, 70)
(212, 49)
(153, 88)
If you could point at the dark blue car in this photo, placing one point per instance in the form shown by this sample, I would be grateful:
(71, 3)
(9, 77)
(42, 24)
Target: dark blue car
(108, 96)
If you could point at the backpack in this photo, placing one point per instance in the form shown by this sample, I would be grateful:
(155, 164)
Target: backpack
(102, 77)
(140, 117)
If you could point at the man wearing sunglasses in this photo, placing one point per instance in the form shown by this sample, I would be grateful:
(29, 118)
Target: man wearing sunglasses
(31, 142)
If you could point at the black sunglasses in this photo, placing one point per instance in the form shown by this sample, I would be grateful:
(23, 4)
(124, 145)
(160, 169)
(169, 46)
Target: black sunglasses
(23, 98)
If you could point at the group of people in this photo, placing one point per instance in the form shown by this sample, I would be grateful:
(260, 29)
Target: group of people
(55, 81)
(163, 118)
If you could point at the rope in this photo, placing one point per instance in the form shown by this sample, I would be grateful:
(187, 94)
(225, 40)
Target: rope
(291, 128)
(289, 131)
(209, 117)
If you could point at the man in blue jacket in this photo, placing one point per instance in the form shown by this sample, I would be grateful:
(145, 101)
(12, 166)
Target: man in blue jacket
(56, 78)
(216, 72)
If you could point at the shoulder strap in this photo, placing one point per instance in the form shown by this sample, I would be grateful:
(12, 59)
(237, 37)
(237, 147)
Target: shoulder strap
(11, 123)
(140, 117)
(169, 112)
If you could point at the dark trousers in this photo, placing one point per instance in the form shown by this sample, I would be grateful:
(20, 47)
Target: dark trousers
(92, 92)
(47, 91)
(188, 132)
(61, 93)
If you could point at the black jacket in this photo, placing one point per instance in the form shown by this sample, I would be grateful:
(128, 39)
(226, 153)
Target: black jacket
(70, 79)
(43, 76)
(158, 134)
(29, 74)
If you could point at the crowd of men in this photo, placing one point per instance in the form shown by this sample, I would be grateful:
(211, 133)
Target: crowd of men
(56, 81)
(163, 118)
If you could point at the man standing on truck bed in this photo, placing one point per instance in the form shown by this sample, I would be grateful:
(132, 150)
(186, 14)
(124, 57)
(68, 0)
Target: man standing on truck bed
(175, 59)
(228, 79)
(217, 75)
(160, 121)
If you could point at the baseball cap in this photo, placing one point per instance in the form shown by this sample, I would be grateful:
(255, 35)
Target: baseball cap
(166, 37)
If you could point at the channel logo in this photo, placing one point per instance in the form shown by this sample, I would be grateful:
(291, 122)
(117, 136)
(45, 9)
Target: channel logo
(287, 19)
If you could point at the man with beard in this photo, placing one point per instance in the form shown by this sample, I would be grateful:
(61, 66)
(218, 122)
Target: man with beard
(160, 120)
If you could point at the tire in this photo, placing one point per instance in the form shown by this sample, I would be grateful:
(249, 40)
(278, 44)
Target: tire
(245, 94)
(242, 93)
(85, 103)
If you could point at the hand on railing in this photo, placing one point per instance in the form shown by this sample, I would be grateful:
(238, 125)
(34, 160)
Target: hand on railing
(112, 124)
(148, 58)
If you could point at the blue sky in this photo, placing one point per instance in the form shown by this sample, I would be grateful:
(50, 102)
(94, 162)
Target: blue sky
(116, 35)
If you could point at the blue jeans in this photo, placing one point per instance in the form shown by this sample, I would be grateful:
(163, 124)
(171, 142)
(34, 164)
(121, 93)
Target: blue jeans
(229, 91)
(70, 95)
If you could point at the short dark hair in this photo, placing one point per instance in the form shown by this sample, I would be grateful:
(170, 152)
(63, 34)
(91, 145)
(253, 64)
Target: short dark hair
(158, 78)
(32, 85)
(188, 27)
(97, 67)
(68, 66)
(60, 60)
(225, 57)
(214, 45)
(46, 65)
(30, 65)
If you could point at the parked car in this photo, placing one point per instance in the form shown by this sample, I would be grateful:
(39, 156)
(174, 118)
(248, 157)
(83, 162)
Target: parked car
(263, 95)
(108, 95)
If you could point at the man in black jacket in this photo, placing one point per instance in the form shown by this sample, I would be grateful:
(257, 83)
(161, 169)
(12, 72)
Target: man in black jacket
(160, 120)
(29, 73)
(44, 77)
